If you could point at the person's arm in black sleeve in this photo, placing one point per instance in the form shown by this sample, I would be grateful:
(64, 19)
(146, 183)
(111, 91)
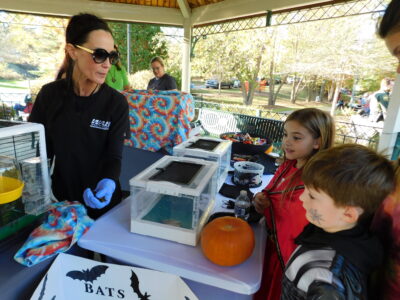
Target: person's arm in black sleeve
(37, 114)
(118, 129)
(319, 290)
(150, 84)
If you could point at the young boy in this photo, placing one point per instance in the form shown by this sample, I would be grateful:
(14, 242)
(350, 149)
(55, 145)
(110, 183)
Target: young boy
(344, 186)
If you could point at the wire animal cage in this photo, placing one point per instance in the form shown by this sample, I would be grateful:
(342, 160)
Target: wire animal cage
(25, 143)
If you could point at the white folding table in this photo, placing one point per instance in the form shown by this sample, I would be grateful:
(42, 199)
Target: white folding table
(110, 235)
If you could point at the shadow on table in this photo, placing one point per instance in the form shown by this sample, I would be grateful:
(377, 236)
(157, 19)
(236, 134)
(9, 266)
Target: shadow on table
(134, 161)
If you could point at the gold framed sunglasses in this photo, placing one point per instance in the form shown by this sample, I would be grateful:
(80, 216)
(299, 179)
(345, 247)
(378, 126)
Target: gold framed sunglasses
(100, 55)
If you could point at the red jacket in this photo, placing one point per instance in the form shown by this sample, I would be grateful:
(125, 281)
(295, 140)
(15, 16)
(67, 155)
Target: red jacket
(290, 219)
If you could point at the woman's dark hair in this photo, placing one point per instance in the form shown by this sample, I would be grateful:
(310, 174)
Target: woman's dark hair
(63, 69)
(78, 29)
(118, 64)
(81, 25)
(390, 20)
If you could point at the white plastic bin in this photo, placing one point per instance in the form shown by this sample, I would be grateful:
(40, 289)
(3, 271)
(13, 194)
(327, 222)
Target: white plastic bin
(173, 198)
(211, 149)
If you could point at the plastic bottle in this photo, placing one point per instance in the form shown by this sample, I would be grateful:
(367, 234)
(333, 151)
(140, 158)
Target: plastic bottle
(242, 206)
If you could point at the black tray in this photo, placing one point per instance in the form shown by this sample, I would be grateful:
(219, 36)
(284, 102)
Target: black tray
(249, 149)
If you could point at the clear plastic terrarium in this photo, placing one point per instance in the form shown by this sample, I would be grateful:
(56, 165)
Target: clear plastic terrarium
(208, 148)
(173, 198)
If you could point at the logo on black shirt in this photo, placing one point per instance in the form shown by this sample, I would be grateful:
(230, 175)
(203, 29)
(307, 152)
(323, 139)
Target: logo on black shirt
(98, 124)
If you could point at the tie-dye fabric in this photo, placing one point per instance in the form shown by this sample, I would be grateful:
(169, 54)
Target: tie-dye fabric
(66, 223)
(158, 119)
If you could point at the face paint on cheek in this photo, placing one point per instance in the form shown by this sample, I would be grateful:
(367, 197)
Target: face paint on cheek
(315, 216)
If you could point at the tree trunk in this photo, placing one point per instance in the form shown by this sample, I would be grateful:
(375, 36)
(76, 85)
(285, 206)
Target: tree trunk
(271, 94)
(275, 95)
(248, 96)
(311, 89)
(271, 87)
(244, 93)
(331, 91)
(271, 98)
(322, 91)
(292, 93)
(336, 96)
(295, 90)
(311, 93)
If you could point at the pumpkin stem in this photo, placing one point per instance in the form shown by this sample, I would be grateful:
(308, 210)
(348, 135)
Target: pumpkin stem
(228, 227)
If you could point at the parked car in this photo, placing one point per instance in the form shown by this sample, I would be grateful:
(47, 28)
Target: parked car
(290, 79)
(213, 83)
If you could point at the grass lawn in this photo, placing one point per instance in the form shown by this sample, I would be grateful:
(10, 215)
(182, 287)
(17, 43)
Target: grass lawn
(234, 96)
(13, 84)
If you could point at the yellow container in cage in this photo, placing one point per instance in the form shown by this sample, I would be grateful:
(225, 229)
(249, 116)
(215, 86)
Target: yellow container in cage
(10, 189)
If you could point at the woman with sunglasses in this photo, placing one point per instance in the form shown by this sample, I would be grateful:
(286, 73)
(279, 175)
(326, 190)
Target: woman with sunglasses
(85, 120)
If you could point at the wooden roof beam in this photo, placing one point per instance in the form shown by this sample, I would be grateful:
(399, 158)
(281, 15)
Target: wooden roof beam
(107, 10)
(185, 8)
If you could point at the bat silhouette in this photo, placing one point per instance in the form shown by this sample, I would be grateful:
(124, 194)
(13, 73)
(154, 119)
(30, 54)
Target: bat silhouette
(43, 288)
(187, 298)
(88, 275)
(135, 287)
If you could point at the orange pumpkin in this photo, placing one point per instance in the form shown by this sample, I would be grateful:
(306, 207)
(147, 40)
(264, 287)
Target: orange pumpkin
(227, 241)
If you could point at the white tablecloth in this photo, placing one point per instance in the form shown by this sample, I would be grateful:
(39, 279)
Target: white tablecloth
(111, 236)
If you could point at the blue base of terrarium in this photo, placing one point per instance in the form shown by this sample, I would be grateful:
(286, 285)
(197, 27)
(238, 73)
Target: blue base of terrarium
(174, 211)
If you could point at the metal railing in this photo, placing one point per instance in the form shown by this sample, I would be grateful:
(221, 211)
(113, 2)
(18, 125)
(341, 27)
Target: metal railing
(7, 112)
(346, 132)
(308, 13)
(9, 103)
(240, 109)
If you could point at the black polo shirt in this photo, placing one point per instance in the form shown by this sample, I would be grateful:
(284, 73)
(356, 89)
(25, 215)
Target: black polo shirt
(86, 135)
(165, 83)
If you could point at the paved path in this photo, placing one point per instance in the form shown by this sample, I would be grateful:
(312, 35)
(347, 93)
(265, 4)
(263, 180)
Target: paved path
(11, 95)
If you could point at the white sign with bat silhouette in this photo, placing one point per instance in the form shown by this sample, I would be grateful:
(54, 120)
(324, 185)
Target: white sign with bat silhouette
(72, 277)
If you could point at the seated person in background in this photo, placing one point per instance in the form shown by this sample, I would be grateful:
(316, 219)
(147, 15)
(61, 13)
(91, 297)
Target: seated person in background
(379, 101)
(340, 103)
(364, 111)
(117, 77)
(162, 81)
(344, 186)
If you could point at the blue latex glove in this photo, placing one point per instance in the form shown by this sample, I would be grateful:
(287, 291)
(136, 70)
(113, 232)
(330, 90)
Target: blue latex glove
(104, 190)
